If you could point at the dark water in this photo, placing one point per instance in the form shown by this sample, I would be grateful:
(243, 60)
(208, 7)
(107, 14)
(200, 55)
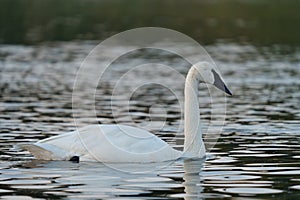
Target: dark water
(256, 157)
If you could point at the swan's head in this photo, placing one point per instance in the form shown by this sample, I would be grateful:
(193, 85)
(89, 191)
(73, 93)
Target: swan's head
(209, 74)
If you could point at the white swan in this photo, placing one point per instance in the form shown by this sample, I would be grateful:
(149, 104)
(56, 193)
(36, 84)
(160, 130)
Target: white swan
(121, 143)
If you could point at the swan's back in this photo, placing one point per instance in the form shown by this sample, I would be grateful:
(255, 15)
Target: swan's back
(105, 143)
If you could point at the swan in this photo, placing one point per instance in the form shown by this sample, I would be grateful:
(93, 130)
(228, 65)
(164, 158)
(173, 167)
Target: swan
(122, 143)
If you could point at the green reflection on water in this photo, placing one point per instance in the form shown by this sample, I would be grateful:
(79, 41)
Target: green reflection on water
(259, 22)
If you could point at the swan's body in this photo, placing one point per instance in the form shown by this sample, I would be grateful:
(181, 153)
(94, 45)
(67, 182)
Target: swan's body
(105, 143)
(121, 143)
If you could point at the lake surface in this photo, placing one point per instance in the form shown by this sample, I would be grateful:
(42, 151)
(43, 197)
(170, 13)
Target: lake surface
(256, 156)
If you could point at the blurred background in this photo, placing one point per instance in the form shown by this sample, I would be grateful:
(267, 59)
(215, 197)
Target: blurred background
(259, 22)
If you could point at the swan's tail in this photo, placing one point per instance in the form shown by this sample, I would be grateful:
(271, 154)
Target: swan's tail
(37, 151)
(45, 152)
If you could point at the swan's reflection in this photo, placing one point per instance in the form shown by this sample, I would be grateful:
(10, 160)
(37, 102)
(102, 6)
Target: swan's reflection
(192, 178)
(115, 180)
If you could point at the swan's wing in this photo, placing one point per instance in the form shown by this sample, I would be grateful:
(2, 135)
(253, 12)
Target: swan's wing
(121, 143)
(132, 139)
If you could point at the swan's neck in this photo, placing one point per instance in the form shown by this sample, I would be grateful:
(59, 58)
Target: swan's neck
(193, 142)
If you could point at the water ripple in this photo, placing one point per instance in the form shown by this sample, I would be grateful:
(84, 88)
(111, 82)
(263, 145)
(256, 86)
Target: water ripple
(256, 157)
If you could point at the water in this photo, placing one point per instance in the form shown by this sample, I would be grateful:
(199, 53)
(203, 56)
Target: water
(256, 157)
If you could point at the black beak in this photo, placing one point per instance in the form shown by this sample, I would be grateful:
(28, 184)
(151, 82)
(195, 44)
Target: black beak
(220, 84)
